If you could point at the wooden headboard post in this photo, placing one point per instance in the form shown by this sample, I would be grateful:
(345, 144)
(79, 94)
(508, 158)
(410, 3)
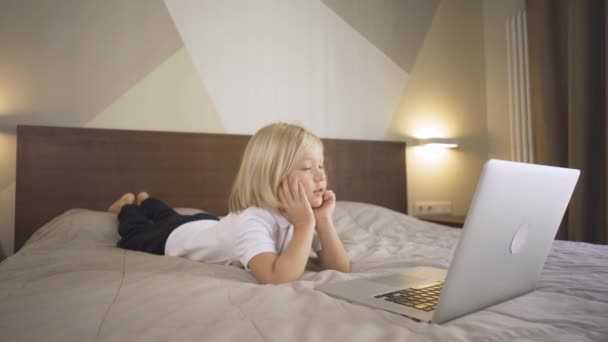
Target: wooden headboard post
(60, 168)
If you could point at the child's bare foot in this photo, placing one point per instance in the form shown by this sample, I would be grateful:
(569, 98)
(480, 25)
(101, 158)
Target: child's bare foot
(142, 196)
(127, 198)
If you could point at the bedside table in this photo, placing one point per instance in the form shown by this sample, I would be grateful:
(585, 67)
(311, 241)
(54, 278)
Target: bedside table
(449, 220)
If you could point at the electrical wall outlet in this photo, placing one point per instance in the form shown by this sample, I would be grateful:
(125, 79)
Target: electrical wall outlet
(432, 208)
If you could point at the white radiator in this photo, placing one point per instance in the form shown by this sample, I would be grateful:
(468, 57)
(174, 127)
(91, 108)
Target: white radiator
(519, 89)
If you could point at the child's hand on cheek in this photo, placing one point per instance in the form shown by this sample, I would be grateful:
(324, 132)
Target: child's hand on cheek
(295, 205)
(324, 213)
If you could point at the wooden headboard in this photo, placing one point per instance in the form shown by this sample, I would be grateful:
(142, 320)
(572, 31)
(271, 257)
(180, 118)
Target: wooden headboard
(61, 168)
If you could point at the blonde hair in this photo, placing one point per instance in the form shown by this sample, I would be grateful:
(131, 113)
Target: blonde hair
(270, 155)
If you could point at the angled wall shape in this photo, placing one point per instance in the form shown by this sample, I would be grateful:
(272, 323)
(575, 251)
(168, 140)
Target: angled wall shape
(396, 27)
(289, 60)
(63, 61)
(170, 98)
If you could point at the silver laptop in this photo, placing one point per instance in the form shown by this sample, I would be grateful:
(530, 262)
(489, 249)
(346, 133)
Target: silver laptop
(512, 221)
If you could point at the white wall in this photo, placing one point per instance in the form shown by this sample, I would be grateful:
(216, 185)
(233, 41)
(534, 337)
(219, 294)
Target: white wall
(289, 60)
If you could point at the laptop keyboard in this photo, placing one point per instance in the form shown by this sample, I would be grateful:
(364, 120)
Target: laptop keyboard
(421, 297)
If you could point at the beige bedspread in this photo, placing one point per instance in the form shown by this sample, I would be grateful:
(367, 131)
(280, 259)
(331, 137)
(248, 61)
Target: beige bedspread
(70, 283)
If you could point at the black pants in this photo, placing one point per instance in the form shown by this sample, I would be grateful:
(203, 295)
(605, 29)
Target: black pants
(146, 227)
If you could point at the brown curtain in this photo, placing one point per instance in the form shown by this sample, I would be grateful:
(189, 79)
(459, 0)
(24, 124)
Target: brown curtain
(568, 58)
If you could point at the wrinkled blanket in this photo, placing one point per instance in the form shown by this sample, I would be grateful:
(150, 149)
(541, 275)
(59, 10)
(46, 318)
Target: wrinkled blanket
(70, 283)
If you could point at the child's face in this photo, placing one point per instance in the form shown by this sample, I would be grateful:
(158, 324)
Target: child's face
(310, 171)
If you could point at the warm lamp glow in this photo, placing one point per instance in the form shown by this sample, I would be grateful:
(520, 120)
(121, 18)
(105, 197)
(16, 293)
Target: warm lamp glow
(428, 132)
(430, 142)
(429, 153)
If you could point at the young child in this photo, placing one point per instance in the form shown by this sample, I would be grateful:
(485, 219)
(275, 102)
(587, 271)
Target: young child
(279, 209)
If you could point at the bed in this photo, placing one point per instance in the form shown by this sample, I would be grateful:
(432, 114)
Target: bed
(68, 281)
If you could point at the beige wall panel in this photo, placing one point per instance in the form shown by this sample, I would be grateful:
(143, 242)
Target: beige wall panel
(8, 143)
(170, 98)
(7, 220)
(445, 97)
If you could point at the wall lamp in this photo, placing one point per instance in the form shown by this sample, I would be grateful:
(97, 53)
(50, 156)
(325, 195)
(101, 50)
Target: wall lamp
(438, 142)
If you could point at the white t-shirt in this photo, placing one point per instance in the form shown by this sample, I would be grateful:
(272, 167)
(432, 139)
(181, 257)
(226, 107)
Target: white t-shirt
(235, 239)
